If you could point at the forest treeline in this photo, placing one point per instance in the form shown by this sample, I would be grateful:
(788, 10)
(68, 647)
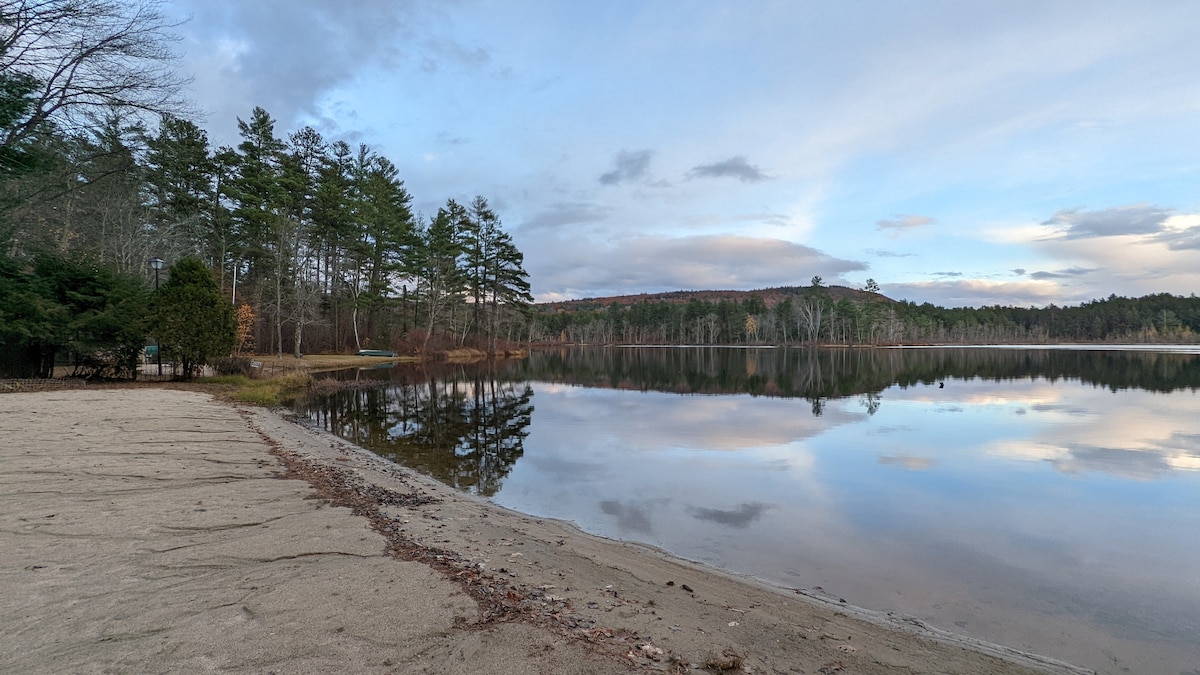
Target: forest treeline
(817, 314)
(315, 241)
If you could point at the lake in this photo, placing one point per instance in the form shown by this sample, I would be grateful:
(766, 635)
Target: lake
(1045, 499)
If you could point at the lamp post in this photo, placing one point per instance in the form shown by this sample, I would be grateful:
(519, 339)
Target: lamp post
(157, 264)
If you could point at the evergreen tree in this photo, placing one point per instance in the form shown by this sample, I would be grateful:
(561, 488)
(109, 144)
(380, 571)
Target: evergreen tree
(387, 233)
(192, 319)
(73, 311)
(441, 280)
(31, 324)
(296, 265)
(493, 268)
(16, 102)
(507, 282)
(258, 200)
(180, 184)
(108, 214)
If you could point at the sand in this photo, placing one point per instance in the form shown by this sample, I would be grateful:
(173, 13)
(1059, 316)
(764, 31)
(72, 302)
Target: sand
(159, 530)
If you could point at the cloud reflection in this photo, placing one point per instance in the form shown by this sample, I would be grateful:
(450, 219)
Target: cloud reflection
(1136, 464)
(631, 517)
(907, 462)
(740, 517)
(655, 421)
(1139, 435)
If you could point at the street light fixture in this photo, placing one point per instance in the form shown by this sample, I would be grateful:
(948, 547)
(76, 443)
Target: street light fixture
(157, 264)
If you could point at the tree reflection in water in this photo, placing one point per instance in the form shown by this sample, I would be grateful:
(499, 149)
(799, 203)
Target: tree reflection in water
(466, 424)
(466, 429)
(818, 375)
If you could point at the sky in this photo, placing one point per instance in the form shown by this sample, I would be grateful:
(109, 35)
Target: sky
(963, 153)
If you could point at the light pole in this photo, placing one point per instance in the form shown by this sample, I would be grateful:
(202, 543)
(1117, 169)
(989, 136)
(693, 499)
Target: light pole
(157, 264)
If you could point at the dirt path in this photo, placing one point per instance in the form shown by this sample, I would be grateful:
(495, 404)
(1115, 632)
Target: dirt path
(151, 530)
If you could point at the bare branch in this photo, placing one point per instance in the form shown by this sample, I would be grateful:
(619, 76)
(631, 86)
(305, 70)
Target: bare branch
(86, 56)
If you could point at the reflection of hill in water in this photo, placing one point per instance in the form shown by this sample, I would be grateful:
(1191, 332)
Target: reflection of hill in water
(834, 373)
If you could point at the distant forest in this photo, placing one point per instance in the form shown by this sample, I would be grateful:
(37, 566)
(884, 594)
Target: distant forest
(818, 314)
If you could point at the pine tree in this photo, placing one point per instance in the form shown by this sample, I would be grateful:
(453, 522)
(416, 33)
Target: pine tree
(180, 183)
(258, 197)
(441, 279)
(387, 232)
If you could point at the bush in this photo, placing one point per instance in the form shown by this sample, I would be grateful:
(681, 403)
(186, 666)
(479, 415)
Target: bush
(233, 365)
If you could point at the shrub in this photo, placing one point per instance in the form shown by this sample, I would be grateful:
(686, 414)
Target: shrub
(232, 365)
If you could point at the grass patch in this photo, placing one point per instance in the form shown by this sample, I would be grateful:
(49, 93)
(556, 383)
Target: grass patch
(273, 391)
(235, 380)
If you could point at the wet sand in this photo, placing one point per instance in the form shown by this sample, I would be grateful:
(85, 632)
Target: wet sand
(157, 530)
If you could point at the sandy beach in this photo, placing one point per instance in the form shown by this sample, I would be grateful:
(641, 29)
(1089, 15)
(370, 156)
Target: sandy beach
(160, 530)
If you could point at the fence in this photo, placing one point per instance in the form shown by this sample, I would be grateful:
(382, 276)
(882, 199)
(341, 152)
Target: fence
(44, 384)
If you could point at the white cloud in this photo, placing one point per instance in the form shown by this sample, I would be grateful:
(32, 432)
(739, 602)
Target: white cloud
(1133, 219)
(977, 292)
(577, 267)
(901, 224)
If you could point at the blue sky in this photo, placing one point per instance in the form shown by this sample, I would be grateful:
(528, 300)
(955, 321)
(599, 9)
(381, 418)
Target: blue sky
(961, 153)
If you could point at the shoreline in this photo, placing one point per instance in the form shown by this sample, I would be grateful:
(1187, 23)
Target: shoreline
(888, 621)
(465, 585)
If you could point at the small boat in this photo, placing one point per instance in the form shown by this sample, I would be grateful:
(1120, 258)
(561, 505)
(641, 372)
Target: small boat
(376, 352)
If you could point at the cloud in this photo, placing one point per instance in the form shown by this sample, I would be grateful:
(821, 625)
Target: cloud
(978, 292)
(904, 223)
(447, 138)
(1181, 232)
(947, 274)
(1020, 271)
(441, 51)
(1137, 219)
(576, 267)
(1182, 241)
(1061, 274)
(631, 166)
(1130, 250)
(286, 55)
(565, 214)
(734, 167)
(889, 254)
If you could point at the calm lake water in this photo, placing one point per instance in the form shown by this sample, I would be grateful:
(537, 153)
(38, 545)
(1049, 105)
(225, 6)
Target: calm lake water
(1048, 500)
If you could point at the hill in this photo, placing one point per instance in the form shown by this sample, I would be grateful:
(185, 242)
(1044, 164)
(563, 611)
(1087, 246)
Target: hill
(771, 296)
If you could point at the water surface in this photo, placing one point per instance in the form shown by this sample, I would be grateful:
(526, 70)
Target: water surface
(1044, 499)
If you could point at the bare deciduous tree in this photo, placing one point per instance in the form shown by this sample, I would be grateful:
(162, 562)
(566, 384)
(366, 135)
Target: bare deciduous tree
(87, 57)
